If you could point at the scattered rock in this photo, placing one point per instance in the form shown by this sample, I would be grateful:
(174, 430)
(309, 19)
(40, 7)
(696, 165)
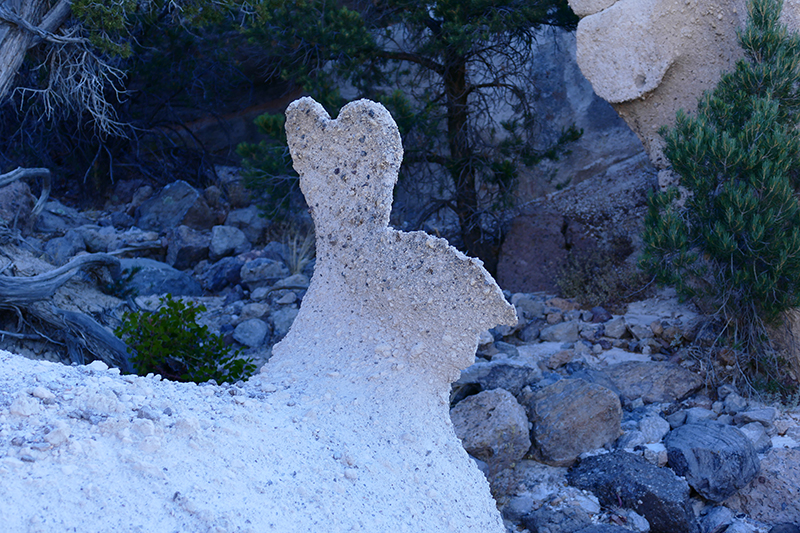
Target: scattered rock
(223, 273)
(716, 520)
(493, 427)
(621, 479)
(227, 240)
(252, 333)
(262, 272)
(155, 277)
(249, 221)
(715, 459)
(566, 519)
(571, 417)
(186, 247)
(176, 204)
(62, 249)
(282, 320)
(653, 382)
(502, 374)
(563, 332)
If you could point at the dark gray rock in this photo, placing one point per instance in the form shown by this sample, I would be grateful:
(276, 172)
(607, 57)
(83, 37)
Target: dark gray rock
(282, 320)
(571, 417)
(155, 277)
(252, 333)
(621, 479)
(716, 520)
(249, 221)
(532, 331)
(187, 247)
(564, 520)
(507, 375)
(263, 272)
(563, 332)
(176, 204)
(223, 273)
(57, 217)
(716, 460)
(62, 249)
(225, 241)
(600, 315)
(653, 382)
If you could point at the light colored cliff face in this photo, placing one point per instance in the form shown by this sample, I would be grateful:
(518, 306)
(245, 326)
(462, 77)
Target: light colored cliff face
(650, 58)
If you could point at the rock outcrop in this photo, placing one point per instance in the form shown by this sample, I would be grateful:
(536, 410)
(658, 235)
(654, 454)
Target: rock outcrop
(651, 58)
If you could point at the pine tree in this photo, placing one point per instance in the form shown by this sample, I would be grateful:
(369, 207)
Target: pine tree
(732, 239)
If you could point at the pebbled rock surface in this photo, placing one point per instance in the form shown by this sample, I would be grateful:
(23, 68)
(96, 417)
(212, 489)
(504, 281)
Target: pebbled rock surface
(571, 417)
(715, 459)
(493, 428)
(626, 480)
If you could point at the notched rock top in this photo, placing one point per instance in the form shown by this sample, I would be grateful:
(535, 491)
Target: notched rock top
(378, 295)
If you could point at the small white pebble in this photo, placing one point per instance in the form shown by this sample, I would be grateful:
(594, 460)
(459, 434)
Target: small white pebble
(97, 365)
(42, 393)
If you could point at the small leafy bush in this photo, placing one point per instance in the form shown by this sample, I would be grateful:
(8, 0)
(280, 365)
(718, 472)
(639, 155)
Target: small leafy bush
(170, 342)
(733, 242)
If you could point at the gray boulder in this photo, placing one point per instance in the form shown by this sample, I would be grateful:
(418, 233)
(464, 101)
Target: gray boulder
(176, 204)
(492, 427)
(621, 479)
(571, 417)
(249, 221)
(223, 273)
(62, 249)
(282, 320)
(501, 374)
(563, 332)
(715, 459)
(566, 519)
(653, 382)
(155, 277)
(225, 241)
(263, 272)
(252, 333)
(187, 247)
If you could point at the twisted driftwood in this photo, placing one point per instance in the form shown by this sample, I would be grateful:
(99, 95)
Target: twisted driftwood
(81, 331)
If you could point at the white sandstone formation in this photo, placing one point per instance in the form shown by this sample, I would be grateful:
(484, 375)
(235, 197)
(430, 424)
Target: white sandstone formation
(345, 429)
(650, 58)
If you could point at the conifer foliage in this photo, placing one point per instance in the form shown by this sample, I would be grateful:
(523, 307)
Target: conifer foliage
(733, 239)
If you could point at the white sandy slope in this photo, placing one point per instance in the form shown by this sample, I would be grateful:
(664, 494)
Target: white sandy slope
(84, 449)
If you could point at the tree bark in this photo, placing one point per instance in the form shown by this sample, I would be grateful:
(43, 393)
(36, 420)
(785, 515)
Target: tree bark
(16, 39)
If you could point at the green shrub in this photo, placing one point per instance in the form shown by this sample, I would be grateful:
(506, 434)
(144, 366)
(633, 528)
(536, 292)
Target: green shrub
(170, 342)
(731, 240)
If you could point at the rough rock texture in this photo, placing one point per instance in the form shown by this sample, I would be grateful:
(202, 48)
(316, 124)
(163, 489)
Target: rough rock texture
(155, 277)
(177, 203)
(387, 324)
(653, 382)
(774, 494)
(716, 460)
(509, 375)
(493, 428)
(571, 417)
(621, 479)
(227, 240)
(186, 247)
(653, 57)
(603, 213)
